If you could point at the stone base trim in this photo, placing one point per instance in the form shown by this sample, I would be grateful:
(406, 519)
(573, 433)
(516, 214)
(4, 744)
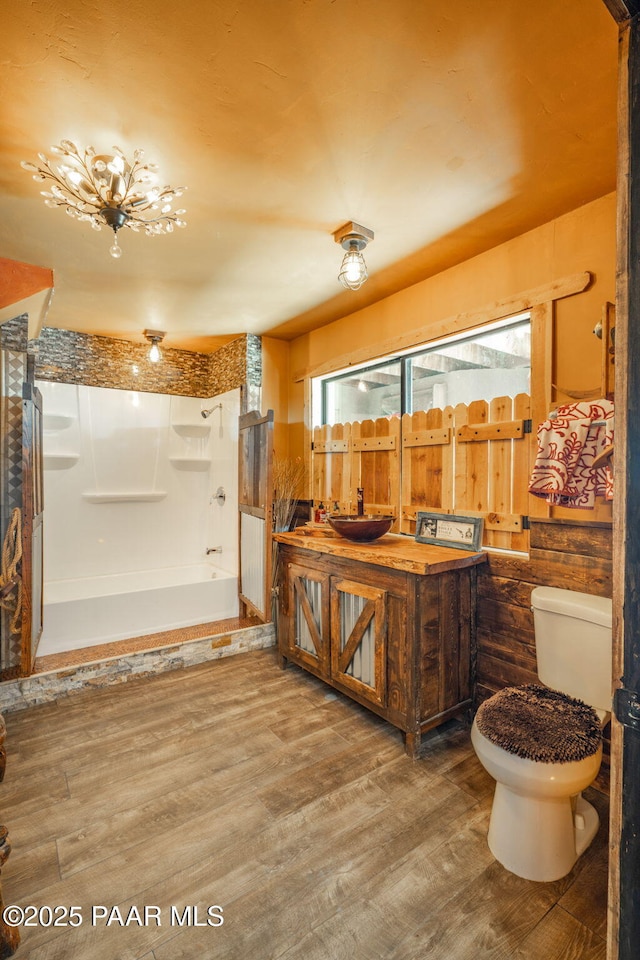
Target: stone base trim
(58, 684)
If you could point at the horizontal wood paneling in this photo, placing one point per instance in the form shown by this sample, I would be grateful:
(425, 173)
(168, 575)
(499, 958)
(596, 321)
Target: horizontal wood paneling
(569, 571)
(568, 536)
(571, 555)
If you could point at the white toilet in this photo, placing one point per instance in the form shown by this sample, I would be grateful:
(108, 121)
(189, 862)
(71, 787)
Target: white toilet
(543, 744)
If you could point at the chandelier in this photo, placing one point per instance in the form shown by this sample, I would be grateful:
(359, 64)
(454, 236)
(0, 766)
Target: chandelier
(107, 189)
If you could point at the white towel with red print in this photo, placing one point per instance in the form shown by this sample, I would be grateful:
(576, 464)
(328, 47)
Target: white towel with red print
(568, 443)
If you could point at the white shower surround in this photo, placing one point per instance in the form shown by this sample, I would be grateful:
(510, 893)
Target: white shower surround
(130, 483)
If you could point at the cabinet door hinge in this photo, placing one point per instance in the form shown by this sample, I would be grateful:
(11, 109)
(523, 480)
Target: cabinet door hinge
(526, 525)
(527, 426)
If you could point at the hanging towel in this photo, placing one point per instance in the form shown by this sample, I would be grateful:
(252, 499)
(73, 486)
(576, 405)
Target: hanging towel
(568, 443)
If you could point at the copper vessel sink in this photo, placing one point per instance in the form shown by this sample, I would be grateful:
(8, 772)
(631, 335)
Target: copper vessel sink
(361, 528)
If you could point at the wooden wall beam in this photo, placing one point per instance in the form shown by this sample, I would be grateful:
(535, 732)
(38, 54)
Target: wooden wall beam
(624, 866)
(498, 310)
(622, 10)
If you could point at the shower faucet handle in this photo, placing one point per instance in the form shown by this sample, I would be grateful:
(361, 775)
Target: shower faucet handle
(219, 496)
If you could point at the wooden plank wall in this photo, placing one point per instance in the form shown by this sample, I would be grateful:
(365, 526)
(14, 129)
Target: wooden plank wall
(574, 555)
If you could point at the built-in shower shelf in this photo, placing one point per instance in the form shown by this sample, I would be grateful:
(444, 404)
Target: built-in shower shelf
(57, 421)
(191, 463)
(192, 429)
(59, 461)
(118, 497)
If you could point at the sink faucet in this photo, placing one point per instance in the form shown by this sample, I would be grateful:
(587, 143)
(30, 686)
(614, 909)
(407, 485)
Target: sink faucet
(360, 499)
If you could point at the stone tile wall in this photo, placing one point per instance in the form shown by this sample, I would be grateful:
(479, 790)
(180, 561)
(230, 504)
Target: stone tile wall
(13, 334)
(47, 687)
(65, 356)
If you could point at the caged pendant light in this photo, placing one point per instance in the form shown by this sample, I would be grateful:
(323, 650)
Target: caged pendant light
(353, 238)
(107, 189)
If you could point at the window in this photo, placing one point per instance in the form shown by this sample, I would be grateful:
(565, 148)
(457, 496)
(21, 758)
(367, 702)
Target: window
(491, 362)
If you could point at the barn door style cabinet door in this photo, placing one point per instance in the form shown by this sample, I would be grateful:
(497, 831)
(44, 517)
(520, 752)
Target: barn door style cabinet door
(359, 638)
(337, 630)
(390, 624)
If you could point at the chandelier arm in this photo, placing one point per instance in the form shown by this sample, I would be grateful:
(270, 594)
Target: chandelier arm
(53, 176)
(63, 186)
(165, 218)
(131, 179)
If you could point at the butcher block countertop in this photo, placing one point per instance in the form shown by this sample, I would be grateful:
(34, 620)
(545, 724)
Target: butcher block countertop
(392, 550)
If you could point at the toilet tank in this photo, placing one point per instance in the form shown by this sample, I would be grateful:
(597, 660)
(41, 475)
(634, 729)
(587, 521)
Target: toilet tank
(574, 643)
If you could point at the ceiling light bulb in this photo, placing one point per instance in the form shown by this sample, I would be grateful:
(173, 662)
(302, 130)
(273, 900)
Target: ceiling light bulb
(154, 337)
(353, 271)
(115, 250)
(353, 238)
(116, 165)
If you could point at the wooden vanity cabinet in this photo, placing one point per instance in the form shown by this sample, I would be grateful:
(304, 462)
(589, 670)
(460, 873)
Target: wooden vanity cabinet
(390, 624)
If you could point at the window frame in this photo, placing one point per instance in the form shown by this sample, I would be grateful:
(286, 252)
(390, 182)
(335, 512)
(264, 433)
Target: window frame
(319, 385)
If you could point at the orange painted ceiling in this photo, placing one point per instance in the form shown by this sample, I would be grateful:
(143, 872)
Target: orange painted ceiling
(444, 127)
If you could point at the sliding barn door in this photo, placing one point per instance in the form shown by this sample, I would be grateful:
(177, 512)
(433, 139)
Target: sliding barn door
(255, 506)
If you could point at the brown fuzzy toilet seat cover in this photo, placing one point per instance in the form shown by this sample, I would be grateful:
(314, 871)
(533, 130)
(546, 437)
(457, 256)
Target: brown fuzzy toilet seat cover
(540, 724)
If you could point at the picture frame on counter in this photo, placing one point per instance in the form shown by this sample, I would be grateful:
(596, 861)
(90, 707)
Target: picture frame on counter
(449, 530)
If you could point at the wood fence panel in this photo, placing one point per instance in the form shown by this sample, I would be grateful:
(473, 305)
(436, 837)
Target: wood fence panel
(477, 488)
(409, 487)
(448, 463)
(461, 478)
(500, 460)
(319, 461)
(523, 457)
(375, 465)
(331, 466)
(470, 460)
(427, 464)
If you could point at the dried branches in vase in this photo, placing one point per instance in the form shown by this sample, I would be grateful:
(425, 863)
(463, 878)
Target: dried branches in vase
(287, 477)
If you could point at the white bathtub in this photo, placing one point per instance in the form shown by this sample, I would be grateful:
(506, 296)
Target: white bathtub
(84, 612)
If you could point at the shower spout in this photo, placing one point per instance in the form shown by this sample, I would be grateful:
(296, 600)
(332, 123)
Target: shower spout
(207, 413)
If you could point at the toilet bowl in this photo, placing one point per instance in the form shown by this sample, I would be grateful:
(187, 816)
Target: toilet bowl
(543, 746)
(539, 822)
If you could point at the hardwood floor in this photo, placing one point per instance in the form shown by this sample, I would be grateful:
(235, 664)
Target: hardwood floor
(237, 785)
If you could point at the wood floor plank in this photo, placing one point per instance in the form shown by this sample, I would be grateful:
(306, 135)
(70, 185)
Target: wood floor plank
(325, 774)
(186, 752)
(488, 918)
(225, 865)
(296, 810)
(170, 809)
(27, 863)
(288, 901)
(560, 936)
